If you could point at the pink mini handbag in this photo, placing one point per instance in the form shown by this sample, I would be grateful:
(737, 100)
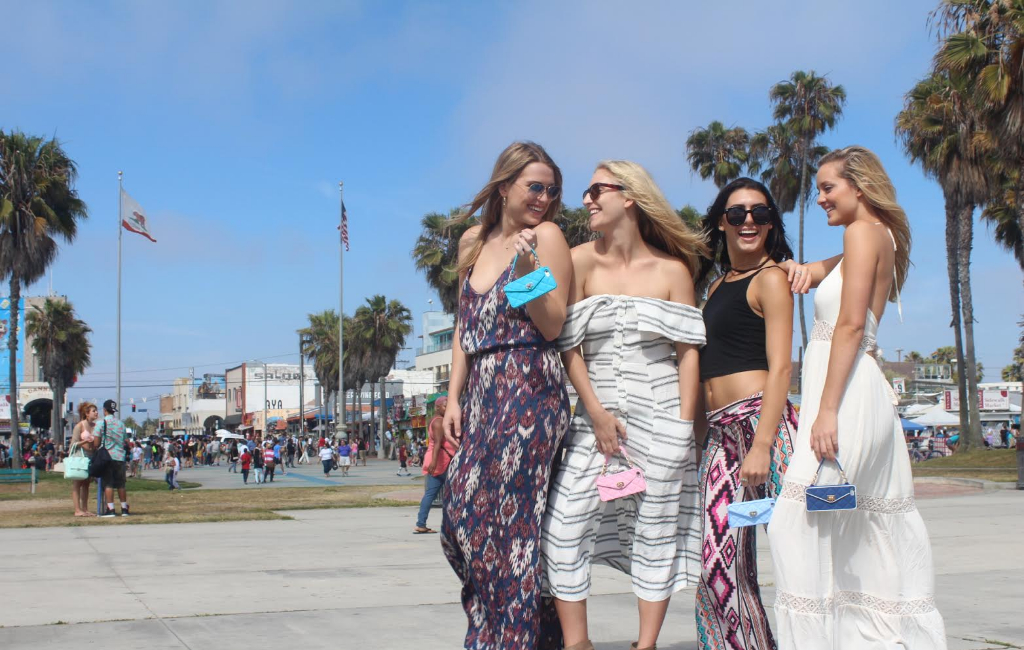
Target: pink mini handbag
(622, 483)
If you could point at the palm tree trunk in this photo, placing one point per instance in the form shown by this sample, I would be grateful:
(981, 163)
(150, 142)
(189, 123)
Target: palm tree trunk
(383, 413)
(373, 413)
(801, 199)
(965, 224)
(12, 347)
(953, 271)
(56, 422)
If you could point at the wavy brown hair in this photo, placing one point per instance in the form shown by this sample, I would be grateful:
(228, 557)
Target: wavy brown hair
(660, 225)
(863, 169)
(83, 409)
(510, 164)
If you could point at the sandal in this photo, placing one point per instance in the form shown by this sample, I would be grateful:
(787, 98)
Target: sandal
(423, 531)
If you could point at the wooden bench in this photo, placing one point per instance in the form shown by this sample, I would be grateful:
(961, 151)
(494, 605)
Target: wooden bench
(19, 476)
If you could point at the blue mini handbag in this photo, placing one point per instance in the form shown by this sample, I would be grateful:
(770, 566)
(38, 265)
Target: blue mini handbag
(531, 286)
(823, 498)
(750, 513)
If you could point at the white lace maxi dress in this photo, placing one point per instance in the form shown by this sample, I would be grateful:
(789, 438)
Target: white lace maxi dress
(628, 345)
(860, 579)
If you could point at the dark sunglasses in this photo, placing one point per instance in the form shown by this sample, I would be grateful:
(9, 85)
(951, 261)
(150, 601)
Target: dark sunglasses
(737, 214)
(595, 190)
(538, 188)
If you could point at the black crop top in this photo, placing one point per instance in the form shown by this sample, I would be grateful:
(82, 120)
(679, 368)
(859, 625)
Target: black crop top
(735, 334)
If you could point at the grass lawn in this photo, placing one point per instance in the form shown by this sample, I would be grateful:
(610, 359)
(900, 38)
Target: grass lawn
(153, 503)
(986, 464)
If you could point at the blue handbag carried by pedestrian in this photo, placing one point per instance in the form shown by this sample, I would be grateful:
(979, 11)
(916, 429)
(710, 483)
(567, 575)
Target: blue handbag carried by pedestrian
(76, 465)
(531, 286)
(826, 498)
(750, 513)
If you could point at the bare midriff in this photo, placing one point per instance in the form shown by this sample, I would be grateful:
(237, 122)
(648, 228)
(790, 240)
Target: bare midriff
(723, 391)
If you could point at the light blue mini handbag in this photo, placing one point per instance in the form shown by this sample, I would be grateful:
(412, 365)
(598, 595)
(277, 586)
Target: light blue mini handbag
(824, 498)
(750, 513)
(76, 465)
(531, 286)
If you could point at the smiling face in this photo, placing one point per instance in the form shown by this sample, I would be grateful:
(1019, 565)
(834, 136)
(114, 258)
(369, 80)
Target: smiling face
(609, 207)
(748, 238)
(527, 209)
(836, 195)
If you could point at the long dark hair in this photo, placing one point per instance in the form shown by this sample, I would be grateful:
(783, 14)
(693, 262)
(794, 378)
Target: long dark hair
(776, 244)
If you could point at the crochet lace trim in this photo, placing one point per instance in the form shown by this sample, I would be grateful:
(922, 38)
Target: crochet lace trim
(825, 606)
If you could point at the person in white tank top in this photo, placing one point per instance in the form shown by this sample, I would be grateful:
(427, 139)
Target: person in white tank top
(853, 579)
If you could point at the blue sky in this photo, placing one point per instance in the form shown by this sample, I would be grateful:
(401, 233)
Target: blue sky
(234, 122)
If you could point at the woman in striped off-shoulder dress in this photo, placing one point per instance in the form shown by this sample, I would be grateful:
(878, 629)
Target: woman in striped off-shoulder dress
(630, 344)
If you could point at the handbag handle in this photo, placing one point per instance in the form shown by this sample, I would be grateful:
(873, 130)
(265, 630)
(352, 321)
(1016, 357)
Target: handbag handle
(842, 473)
(607, 457)
(532, 250)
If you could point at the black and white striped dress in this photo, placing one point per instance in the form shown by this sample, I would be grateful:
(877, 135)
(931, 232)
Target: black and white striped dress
(654, 537)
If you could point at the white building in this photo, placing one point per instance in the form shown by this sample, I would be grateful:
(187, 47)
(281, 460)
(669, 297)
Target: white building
(436, 354)
(250, 389)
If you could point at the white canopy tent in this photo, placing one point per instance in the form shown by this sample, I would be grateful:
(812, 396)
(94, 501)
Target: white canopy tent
(936, 416)
(225, 434)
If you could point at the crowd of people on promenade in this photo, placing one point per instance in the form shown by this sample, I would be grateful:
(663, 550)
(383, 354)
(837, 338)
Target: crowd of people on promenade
(683, 439)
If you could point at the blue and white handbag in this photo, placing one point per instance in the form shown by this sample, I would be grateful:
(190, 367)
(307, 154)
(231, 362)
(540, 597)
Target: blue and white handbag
(841, 496)
(750, 513)
(531, 286)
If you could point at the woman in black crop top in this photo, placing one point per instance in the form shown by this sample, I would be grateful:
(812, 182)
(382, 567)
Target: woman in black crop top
(744, 369)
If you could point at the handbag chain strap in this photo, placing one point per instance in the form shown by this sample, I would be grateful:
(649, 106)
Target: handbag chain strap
(622, 450)
(842, 473)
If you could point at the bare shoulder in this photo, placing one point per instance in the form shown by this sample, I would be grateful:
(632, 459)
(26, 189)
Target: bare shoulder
(773, 281)
(862, 234)
(584, 252)
(470, 236)
(674, 269)
(549, 232)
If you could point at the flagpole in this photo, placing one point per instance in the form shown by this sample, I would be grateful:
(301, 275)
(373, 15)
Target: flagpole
(339, 413)
(120, 230)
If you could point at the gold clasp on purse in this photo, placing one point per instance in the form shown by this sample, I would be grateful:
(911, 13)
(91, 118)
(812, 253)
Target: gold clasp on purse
(529, 285)
(831, 498)
(753, 513)
(619, 484)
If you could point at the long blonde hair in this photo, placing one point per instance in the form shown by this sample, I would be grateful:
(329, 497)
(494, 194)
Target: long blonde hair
(863, 169)
(510, 164)
(660, 225)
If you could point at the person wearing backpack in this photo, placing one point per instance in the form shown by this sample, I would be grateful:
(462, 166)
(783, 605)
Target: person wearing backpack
(112, 439)
(435, 465)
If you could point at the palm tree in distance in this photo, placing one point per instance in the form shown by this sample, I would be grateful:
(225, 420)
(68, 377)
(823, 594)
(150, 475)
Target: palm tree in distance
(319, 344)
(436, 253)
(937, 128)
(717, 153)
(61, 342)
(38, 206)
(380, 328)
(809, 105)
(775, 156)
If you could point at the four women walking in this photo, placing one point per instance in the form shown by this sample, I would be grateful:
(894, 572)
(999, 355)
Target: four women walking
(526, 514)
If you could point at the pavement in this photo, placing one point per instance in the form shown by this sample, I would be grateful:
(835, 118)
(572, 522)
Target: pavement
(358, 578)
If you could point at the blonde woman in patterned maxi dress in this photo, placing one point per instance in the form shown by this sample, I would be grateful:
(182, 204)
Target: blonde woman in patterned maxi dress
(507, 405)
(856, 579)
(631, 351)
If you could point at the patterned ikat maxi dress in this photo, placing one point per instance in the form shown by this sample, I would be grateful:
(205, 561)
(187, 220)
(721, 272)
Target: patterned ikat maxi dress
(515, 411)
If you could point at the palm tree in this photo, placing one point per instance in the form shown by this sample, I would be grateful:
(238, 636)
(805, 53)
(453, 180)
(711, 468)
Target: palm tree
(718, 153)
(1015, 371)
(61, 342)
(692, 217)
(575, 224)
(914, 357)
(984, 43)
(809, 105)
(944, 355)
(437, 254)
(774, 154)
(1003, 213)
(38, 206)
(938, 127)
(380, 328)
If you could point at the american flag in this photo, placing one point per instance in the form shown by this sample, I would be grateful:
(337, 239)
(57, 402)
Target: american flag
(344, 226)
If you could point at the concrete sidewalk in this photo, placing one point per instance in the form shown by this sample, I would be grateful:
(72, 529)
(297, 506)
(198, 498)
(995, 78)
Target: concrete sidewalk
(358, 578)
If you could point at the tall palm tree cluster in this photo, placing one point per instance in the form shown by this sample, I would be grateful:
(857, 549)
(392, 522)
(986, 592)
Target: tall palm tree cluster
(964, 124)
(39, 207)
(373, 337)
(783, 155)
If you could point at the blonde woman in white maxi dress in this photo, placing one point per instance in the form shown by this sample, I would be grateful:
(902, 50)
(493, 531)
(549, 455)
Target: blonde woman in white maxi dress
(632, 314)
(858, 579)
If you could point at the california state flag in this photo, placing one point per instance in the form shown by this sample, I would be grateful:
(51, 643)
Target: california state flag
(133, 217)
